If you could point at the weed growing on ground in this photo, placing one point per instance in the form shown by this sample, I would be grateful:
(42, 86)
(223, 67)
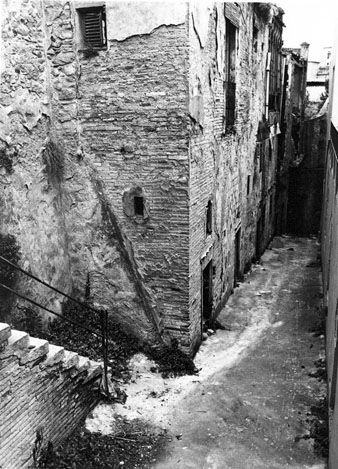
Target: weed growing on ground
(133, 446)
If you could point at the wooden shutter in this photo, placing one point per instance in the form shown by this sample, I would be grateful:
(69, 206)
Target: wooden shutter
(93, 33)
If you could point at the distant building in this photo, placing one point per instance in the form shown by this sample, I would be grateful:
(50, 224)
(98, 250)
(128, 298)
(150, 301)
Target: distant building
(317, 82)
(295, 62)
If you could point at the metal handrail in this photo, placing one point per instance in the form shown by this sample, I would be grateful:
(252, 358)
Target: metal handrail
(49, 310)
(47, 284)
(103, 314)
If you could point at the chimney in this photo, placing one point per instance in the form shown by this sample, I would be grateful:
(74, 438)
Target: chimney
(304, 51)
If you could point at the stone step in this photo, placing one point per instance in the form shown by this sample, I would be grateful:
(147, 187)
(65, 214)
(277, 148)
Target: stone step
(70, 360)
(94, 371)
(84, 364)
(55, 355)
(37, 349)
(17, 344)
(30, 350)
(5, 333)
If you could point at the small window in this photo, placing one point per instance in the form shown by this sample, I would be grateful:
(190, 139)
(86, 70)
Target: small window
(271, 206)
(261, 156)
(209, 218)
(93, 27)
(139, 205)
(248, 185)
(270, 149)
(254, 39)
(230, 70)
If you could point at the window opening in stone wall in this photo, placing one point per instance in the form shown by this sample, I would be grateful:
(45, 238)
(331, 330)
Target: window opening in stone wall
(209, 218)
(139, 205)
(261, 156)
(248, 185)
(230, 71)
(254, 39)
(207, 291)
(237, 263)
(93, 27)
(270, 205)
(275, 45)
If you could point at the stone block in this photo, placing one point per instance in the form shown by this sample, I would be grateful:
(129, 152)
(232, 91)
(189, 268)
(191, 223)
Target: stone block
(5, 333)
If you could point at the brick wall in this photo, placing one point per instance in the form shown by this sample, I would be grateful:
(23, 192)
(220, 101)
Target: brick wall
(221, 160)
(45, 390)
(143, 105)
(122, 116)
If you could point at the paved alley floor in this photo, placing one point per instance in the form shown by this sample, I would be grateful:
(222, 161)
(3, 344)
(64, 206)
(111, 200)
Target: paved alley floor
(252, 404)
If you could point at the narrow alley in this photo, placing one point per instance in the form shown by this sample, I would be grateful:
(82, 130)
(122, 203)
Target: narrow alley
(253, 404)
(168, 235)
(254, 411)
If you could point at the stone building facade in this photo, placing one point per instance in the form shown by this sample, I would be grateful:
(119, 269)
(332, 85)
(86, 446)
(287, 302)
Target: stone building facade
(294, 65)
(138, 158)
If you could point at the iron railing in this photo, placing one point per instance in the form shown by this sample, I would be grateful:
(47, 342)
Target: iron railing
(103, 315)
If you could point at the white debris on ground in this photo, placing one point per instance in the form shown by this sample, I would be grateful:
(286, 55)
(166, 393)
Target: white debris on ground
(152, 398)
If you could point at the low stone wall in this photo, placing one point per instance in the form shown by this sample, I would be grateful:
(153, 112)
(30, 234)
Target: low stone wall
(45, 391)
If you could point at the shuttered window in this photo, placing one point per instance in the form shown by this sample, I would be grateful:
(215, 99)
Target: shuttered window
(93, 27)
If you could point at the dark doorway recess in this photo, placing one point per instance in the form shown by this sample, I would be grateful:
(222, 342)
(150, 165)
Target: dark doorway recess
(207, 291)
(305, 200)
(237, 270)
(260, 234)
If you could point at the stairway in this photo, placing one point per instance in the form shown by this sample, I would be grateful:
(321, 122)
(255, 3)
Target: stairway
(45, 392)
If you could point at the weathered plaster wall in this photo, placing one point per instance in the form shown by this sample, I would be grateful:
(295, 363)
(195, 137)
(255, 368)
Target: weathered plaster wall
(221, 160)
(147, 16)
(30, 164)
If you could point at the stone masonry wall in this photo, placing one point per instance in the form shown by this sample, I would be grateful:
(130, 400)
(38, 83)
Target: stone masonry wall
(30, 192)
(45, 391)
(224, 167)
(122, 116)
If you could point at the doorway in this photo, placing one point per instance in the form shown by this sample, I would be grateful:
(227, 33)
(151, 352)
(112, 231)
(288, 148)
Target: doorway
(259, 239)
(207, 291)
(237, 266)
